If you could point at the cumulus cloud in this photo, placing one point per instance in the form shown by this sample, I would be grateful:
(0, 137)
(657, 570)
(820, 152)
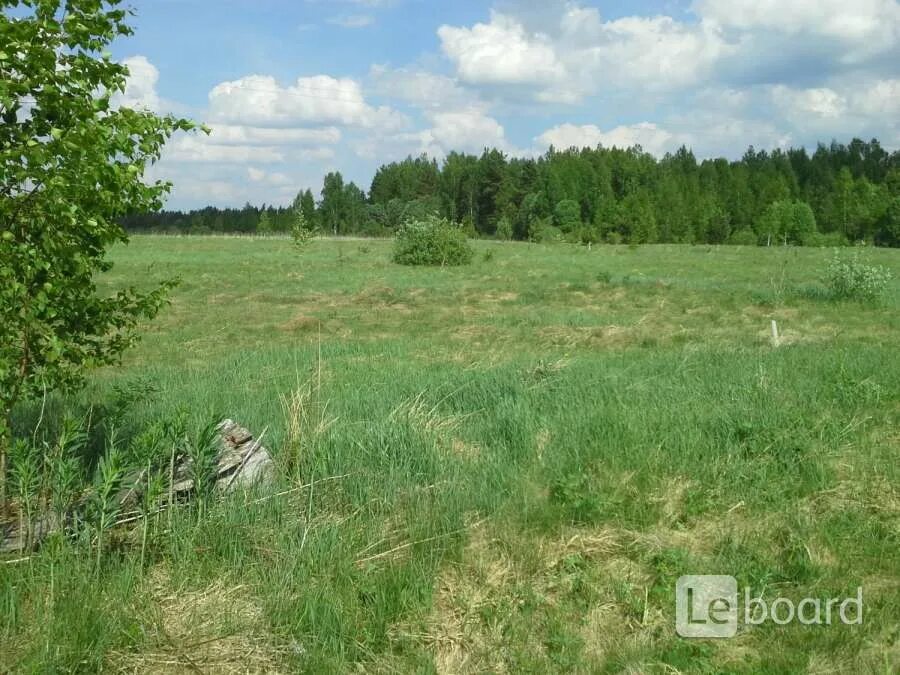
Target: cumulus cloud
(500, 52)
(658, 52)
(565, 53)
(463, 130)
(848, 106)
(584, 54)
(880, 98)
(865, 27)
(140, 87)
(201, 150)
(466, 130)
(419, 87)
(820, 102)
(269, 178)
(649, 136)
(258, 100)
(713, 132)
(231, 134)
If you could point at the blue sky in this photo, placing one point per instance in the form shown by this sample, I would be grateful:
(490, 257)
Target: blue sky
(293, 89)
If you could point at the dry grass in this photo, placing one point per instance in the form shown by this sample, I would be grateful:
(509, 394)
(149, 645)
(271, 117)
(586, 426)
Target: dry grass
(216, 629)
(420, 415)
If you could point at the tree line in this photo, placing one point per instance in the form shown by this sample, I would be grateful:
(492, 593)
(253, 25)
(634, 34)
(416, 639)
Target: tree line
(840, 193)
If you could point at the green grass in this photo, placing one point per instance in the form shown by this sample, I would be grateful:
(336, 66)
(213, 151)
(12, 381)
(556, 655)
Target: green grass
(518, 458)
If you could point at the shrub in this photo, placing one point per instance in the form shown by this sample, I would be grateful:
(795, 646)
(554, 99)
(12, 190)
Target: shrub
(544, 232)
(301, 231)
(584, 235)
(567, 215)
(851, 279)
(550, 234)
(825, 239)
(432, 241)
(745, 237)
(786, 221)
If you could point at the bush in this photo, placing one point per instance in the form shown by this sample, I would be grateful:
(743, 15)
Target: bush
(301, 231)
(567, 215)
(544, 232)
(550, 235)
(851, 279)
(786, 221)
(584, 235)
(745, 237)
(432, 241)
(825, 240)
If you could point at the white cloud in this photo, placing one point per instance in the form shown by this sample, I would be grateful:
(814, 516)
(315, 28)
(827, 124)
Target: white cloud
(140, 87)
(259, 176)
(850, 106)
(564, 53)
(866, 27)
(657, 52)
(584, 54)
(819, 102)
(231, 134)
(717, 133)
(201, 149)
(880, 99)
(258, 100)
(464, 130)
(419, 87)
(649, 136)
(500, 52)
(193, 191)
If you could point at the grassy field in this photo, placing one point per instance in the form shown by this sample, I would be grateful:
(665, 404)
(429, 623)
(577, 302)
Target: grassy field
(503, 467)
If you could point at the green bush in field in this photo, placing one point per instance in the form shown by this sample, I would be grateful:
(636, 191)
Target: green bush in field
(585, 235)
(302, 232)
(744, 237)
(825, 239)
(432, 241)
(543, 231)
(852, 279)
(786, 221)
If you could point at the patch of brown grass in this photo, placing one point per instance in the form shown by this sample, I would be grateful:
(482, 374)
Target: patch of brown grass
(425, 417)
(465, 449)
(301, 324)
(216, 629)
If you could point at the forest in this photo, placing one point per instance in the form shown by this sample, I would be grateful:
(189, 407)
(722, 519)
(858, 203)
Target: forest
(839, 194)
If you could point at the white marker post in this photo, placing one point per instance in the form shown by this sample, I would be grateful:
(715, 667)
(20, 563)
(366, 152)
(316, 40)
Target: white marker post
(774, 333)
